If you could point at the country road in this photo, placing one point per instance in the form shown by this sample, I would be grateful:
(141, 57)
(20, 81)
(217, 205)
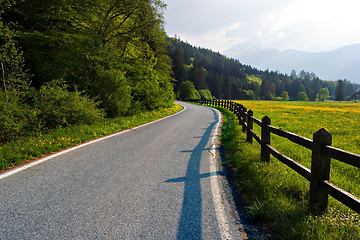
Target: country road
(159, 181)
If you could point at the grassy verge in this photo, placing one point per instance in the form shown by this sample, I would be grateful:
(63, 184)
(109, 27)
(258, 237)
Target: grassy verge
(277, 197)
(17, 152)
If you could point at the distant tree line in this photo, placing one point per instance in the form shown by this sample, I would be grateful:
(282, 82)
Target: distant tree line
(228, 78)
(69, 62)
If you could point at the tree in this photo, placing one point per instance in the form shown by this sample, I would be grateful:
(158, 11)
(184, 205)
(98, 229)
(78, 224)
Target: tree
(340, 91)
(80, 40)
(303, 97)
(178, 67)
(197, 76)
(285, 95)
(205, 94)
(323, 94)
(355, 96)
(12, 73)
(187, 91)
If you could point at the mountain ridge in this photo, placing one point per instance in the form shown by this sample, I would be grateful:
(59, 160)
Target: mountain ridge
(341, 63)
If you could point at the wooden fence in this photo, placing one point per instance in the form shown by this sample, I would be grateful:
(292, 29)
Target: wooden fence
(322, 152)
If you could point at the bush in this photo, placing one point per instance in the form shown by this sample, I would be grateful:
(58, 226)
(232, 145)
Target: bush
(270, 97)
(187, 91)
(285, 95)
(205, 94)
(278, 99)
(113, 92)
(303, 96)
(59, 107)
(14, 116)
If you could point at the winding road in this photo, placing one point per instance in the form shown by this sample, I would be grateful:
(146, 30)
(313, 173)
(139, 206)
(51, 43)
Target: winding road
(158, 181)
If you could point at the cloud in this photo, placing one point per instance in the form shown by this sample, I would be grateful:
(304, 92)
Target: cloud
(300, 24)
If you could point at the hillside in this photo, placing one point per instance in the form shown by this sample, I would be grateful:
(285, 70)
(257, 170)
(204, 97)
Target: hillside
(229, 78)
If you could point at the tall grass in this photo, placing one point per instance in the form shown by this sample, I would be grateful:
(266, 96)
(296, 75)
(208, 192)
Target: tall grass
(16, 152)
(277, 196)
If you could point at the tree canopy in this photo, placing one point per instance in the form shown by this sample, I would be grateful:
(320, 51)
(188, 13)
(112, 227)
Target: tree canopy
(230, 79)
(108, 55)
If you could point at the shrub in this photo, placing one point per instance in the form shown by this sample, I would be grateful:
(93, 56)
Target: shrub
(278, 99)
(14, 116)
(303, 96)
(187, 91)
(59, 107)
(113, 91)
(285, 95)
(205, 94)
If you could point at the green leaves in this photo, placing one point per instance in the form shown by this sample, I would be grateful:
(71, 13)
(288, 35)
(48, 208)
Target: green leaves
(113, 51)
(12, 74)
(59, 107)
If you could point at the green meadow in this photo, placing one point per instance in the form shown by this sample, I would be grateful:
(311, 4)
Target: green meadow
(276, 195)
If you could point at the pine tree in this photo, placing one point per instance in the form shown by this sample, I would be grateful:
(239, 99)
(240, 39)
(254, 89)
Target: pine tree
(340, 91)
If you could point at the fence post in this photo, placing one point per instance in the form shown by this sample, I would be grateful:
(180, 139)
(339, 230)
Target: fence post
(241, 109)
(249, 126)
(320, 169)
(243, 121)
(265, 139)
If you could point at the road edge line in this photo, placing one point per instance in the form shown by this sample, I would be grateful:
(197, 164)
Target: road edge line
(222, 219)
(40, 160)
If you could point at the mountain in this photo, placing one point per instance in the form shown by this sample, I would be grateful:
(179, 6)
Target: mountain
(332, 65)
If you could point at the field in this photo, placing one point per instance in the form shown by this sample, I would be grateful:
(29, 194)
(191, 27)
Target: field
(277, 195)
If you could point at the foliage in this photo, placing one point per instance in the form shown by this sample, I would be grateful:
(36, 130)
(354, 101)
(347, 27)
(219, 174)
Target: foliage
(13, 76)
(113, 92)
(92, 43)
(355, 96)
(60, 108)
(323, 94)
(40, 144)
(113, 51)
(303, 96)
(187, 91)
(15, 116)
(205, 94)
(340, 91)
(230, 79)
(285, 95)
(276, 195)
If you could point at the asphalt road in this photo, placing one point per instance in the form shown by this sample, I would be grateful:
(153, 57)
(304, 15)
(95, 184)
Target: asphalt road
(152, 182)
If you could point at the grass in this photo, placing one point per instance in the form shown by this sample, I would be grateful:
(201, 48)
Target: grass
(276, 195)
(17, 152)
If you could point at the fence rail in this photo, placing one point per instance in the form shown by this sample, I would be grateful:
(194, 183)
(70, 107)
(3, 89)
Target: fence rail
(322, 152)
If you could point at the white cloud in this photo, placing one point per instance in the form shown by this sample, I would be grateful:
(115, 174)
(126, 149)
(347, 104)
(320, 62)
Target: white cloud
(313, 25)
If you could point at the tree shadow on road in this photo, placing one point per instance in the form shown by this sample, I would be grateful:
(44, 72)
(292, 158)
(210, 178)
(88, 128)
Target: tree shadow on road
(190, 223)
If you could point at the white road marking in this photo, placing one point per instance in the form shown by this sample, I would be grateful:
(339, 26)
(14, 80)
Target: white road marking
(44, 159)
(215, 188)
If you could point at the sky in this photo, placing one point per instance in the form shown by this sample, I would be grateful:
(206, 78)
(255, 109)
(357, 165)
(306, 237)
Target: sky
(306, 25)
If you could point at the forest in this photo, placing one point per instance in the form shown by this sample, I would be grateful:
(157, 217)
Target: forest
(68, 62)
(65, 62)
(229, 79)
